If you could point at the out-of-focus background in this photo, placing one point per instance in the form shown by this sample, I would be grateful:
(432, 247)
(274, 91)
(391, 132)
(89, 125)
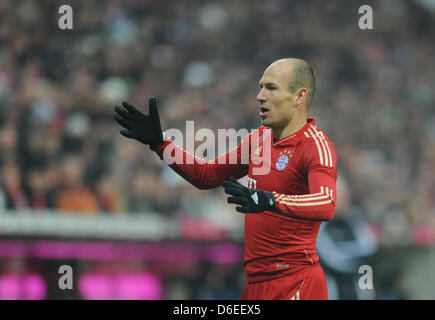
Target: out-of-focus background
(74, 192)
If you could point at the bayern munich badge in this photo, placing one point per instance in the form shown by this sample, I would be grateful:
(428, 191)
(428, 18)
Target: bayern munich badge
(282, 162)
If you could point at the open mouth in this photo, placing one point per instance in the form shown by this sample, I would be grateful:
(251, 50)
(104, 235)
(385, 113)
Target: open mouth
(263, 111)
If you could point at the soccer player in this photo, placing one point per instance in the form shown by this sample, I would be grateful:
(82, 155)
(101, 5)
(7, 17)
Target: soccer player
(284, 207)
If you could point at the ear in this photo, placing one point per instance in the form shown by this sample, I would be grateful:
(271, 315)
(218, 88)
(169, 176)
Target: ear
(302, 96)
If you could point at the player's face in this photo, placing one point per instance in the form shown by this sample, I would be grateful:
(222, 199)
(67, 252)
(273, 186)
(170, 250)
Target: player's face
(277, 104)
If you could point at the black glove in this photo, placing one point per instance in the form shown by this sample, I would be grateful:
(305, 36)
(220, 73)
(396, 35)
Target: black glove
(251, 201)
(146, 129)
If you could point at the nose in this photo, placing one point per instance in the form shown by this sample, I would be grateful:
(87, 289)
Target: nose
(261, 97)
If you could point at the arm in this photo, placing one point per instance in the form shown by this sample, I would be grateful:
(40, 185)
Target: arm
(200, 173)
(317, 205)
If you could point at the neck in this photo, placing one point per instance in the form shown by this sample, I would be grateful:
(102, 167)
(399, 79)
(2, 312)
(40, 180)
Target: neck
(293, 126)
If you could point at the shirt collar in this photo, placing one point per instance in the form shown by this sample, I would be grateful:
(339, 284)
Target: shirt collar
(298, 135)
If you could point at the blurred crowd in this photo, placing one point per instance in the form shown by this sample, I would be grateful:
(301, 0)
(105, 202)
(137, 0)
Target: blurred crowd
(61, 149)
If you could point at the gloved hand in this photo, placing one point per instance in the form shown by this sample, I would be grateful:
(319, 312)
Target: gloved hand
(146, 129)
(250, 200)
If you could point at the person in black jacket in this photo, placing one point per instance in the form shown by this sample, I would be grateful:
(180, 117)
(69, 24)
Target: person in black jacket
(344, 245)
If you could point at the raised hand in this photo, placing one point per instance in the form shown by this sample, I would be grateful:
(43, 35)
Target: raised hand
(144, 128)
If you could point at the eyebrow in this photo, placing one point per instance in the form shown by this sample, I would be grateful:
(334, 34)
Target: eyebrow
(268, 83)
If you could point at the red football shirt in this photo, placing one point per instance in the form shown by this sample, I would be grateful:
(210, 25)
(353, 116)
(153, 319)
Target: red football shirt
(300, 170)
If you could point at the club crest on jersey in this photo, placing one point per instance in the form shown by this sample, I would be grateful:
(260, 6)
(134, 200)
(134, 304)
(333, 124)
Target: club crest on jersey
(283, 160)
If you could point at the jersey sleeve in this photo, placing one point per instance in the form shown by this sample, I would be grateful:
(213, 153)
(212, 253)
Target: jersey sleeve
(206, 174)
(320, 162)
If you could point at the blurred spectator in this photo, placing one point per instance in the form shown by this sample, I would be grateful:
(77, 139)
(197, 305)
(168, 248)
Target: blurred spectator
(344, 245)
(8, 142)
(40, 185)
(109, 195)
(12, 187)
(144, 194)
(74, 195)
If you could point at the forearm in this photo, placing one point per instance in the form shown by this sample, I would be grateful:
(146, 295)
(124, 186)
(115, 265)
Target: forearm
(318, 205)
(199, 172)
(315, 207)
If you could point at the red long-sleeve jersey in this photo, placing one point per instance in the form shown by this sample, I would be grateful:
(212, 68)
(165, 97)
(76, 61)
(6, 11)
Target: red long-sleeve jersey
(301, 172)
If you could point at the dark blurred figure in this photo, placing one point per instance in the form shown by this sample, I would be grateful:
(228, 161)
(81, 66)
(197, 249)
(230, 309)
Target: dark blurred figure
(344, 245)
(11, 183)
(41, 184)
(8, 142)
(219, 282)
(149, 195)
(391, 285)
